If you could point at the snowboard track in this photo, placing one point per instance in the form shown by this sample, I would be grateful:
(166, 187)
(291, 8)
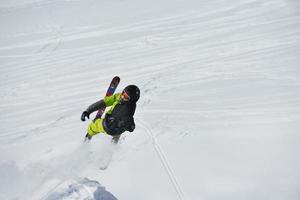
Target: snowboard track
(163, 159)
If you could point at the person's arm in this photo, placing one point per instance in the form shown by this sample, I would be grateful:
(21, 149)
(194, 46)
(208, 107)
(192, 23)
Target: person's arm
(96, 106)
(92, 108)
(130, 125)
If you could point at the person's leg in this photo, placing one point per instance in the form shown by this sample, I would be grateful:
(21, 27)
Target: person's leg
(95, 127)
(115, 139)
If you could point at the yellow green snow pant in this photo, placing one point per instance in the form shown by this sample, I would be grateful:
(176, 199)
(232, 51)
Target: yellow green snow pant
(95, 127)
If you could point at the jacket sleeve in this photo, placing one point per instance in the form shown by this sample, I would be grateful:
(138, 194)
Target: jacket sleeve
(130, 126)
(127, 123)
(96, 106)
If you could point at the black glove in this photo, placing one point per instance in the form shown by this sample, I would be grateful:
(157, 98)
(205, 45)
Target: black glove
(130, 128)
(84, 115)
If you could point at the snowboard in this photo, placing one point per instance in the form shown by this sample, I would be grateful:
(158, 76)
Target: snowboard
(110, 91)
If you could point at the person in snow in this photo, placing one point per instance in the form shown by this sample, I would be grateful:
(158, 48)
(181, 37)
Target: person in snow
(119, 117)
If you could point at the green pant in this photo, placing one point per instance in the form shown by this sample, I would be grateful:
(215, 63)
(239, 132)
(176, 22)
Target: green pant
(95, 127)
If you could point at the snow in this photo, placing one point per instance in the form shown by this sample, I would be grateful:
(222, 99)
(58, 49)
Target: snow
(219, 114)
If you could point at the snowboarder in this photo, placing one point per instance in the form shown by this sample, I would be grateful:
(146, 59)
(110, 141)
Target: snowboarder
(119, 117)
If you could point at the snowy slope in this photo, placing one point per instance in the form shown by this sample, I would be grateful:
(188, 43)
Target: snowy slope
(219, 114)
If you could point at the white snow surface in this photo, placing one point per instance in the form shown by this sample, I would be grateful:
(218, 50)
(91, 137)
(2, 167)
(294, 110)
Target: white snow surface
(218, 117)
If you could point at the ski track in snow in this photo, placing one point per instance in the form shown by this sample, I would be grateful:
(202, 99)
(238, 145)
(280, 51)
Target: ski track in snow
(163, 158)
(221, 66)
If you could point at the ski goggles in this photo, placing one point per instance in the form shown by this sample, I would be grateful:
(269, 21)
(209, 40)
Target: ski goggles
(125, 96)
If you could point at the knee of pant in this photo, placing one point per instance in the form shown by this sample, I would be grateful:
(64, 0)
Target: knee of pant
(95, 127)
(91, 131)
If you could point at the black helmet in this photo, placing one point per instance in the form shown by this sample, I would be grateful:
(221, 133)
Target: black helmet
(133, 93)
